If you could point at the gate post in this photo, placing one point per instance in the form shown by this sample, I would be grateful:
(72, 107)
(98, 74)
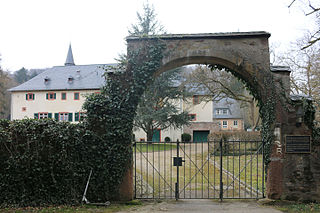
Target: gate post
(126, 187)
(275, 167)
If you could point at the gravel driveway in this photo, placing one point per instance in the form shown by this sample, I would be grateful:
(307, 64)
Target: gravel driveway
(204, 206)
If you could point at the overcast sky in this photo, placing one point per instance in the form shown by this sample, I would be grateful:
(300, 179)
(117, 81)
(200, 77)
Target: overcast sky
(36, 33)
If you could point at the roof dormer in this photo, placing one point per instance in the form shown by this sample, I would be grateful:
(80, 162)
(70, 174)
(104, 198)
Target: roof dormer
(70, 79)
(46, 80)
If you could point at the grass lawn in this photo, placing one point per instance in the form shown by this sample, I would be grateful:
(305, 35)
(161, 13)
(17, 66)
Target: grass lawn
(81, 209)
(294, 207)
(248, 168)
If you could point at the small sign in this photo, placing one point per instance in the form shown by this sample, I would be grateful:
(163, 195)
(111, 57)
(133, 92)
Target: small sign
(177, 161)
(298, 144)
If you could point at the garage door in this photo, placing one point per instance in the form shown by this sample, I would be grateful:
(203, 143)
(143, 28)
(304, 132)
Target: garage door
(156, 135)
(200, 136)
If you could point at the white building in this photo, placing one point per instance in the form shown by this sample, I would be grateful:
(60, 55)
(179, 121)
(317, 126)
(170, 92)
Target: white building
(59, 93)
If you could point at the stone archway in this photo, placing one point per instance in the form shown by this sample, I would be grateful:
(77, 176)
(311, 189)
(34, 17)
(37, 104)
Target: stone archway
(247, 55)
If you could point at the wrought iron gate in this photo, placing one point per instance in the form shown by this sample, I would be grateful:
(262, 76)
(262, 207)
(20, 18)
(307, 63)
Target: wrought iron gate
(214, 169)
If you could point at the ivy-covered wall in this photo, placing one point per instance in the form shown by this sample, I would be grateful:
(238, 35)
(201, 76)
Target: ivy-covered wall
(47, 162)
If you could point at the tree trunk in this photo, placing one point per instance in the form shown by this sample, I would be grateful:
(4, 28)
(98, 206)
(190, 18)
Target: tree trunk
(149, 135)
(252, 114)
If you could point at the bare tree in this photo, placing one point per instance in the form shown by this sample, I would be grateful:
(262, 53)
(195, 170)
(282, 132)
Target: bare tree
(220, 84)
(313, 9)
(5, 83)
(305, 64)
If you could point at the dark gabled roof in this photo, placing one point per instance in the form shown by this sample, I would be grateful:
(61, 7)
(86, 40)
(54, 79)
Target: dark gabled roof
(77, 77)
(227, 103)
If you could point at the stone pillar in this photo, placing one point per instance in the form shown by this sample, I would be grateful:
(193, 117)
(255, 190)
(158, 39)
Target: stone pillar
(126, 187)
(275, 167)
(291, 175)
(281, 76)
(301, 171)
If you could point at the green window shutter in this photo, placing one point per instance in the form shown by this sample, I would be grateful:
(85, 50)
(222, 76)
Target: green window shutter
(33, 95)
(49, 115)
(56, 116)
(36, 116)
(26, 96)
(76, 116)
(55, 95)
(47, 96)
(70, 116)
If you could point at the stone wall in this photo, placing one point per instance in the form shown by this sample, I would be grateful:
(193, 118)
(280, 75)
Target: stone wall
(211, 126)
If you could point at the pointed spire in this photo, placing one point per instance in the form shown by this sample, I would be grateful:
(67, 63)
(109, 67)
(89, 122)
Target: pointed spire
(69, 60)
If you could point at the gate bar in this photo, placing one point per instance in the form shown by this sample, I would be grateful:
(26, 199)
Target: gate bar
(135, 170)
(221, 168)
(177, 183)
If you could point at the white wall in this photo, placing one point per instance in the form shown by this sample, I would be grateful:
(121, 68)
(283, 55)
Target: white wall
(41, 104)
(203, 110)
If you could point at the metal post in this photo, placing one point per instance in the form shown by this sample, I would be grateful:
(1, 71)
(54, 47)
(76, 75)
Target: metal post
(221, 168)
(135, 169)
(263, 174)
(177, 183)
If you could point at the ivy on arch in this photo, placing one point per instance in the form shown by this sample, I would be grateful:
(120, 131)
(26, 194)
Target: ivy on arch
(110, 114)
(266, 106)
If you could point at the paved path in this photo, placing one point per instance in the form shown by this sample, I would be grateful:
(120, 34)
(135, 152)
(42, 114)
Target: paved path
(205, 206)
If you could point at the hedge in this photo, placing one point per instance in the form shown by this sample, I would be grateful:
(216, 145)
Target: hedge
(235, 135)
(44, 162)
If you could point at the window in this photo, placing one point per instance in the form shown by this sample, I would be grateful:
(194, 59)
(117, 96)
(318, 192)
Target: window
(51, 96)
(142, 139)
(79, 116)
(235, 123)
(30, 96)
(192, 117)
(42, 115)
(195, 99)
(222, 111)
(224, 124)
(63, 116)
(76, 96)
(63, 96)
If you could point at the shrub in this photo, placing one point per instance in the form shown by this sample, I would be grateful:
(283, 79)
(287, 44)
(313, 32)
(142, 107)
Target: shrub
(235, 135)
(227, 141)
(167, 139)
(185, 137)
